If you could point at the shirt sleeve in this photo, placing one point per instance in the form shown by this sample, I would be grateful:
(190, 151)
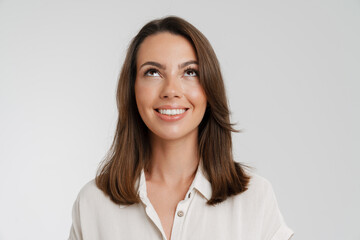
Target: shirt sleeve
(75, 231)
(283, 233)
(275, 227)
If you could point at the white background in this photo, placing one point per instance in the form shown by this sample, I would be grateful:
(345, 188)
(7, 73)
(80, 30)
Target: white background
(291, 69)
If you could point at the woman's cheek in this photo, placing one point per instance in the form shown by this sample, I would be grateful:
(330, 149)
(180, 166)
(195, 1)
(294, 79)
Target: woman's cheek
(195, 92)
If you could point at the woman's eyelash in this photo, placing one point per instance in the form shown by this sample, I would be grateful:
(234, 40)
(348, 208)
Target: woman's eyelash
(153, 70)
(192, 69)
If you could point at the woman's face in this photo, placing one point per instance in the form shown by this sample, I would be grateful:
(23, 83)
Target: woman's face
(169, 97)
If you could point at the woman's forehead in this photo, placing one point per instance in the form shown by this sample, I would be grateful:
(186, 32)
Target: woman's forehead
(166, 48)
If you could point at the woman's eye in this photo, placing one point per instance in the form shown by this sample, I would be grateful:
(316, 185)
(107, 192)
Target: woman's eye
(190, 73)
(152, 73)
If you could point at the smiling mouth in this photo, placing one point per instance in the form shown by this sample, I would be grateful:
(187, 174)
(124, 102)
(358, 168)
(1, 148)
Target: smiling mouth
(172, 112)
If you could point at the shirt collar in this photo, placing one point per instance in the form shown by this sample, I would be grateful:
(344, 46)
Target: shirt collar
(200, 183)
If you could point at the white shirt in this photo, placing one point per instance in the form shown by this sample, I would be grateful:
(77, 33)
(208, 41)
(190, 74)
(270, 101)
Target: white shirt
(251, 215)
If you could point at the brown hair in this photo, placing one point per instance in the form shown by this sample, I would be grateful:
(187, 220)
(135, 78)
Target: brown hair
(130, 150)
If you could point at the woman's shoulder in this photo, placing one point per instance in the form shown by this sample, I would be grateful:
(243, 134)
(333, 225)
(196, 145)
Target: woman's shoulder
(90, 190)
(258, 182)
(91, 195)
(259, 189)
(259, 203)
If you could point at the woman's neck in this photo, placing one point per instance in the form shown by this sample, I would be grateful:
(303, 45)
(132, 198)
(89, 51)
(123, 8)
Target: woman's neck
(173, 162)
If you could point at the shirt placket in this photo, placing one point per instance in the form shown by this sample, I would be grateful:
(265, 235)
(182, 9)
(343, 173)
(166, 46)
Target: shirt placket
(179, 218)
(181, 209)
(150, 211)
(181, 215)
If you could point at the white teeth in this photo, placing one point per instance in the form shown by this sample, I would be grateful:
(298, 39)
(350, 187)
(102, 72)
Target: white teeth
(172, 112)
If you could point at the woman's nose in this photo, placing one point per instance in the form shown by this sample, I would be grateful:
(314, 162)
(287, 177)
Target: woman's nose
(171, 88)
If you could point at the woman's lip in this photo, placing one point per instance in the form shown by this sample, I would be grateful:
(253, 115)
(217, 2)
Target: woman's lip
(171, 118)
(171, 107)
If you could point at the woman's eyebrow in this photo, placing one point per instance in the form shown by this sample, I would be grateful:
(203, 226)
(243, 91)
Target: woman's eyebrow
(159, 65)
(156, 64)
(188, 63)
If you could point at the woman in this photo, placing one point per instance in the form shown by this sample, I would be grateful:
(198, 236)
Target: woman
(170, 173)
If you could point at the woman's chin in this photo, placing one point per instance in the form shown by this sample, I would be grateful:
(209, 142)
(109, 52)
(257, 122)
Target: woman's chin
(169, 137)
(172, 135)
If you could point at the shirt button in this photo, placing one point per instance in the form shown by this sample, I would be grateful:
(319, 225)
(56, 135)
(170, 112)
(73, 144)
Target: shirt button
(180, 213)
(189, 195)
